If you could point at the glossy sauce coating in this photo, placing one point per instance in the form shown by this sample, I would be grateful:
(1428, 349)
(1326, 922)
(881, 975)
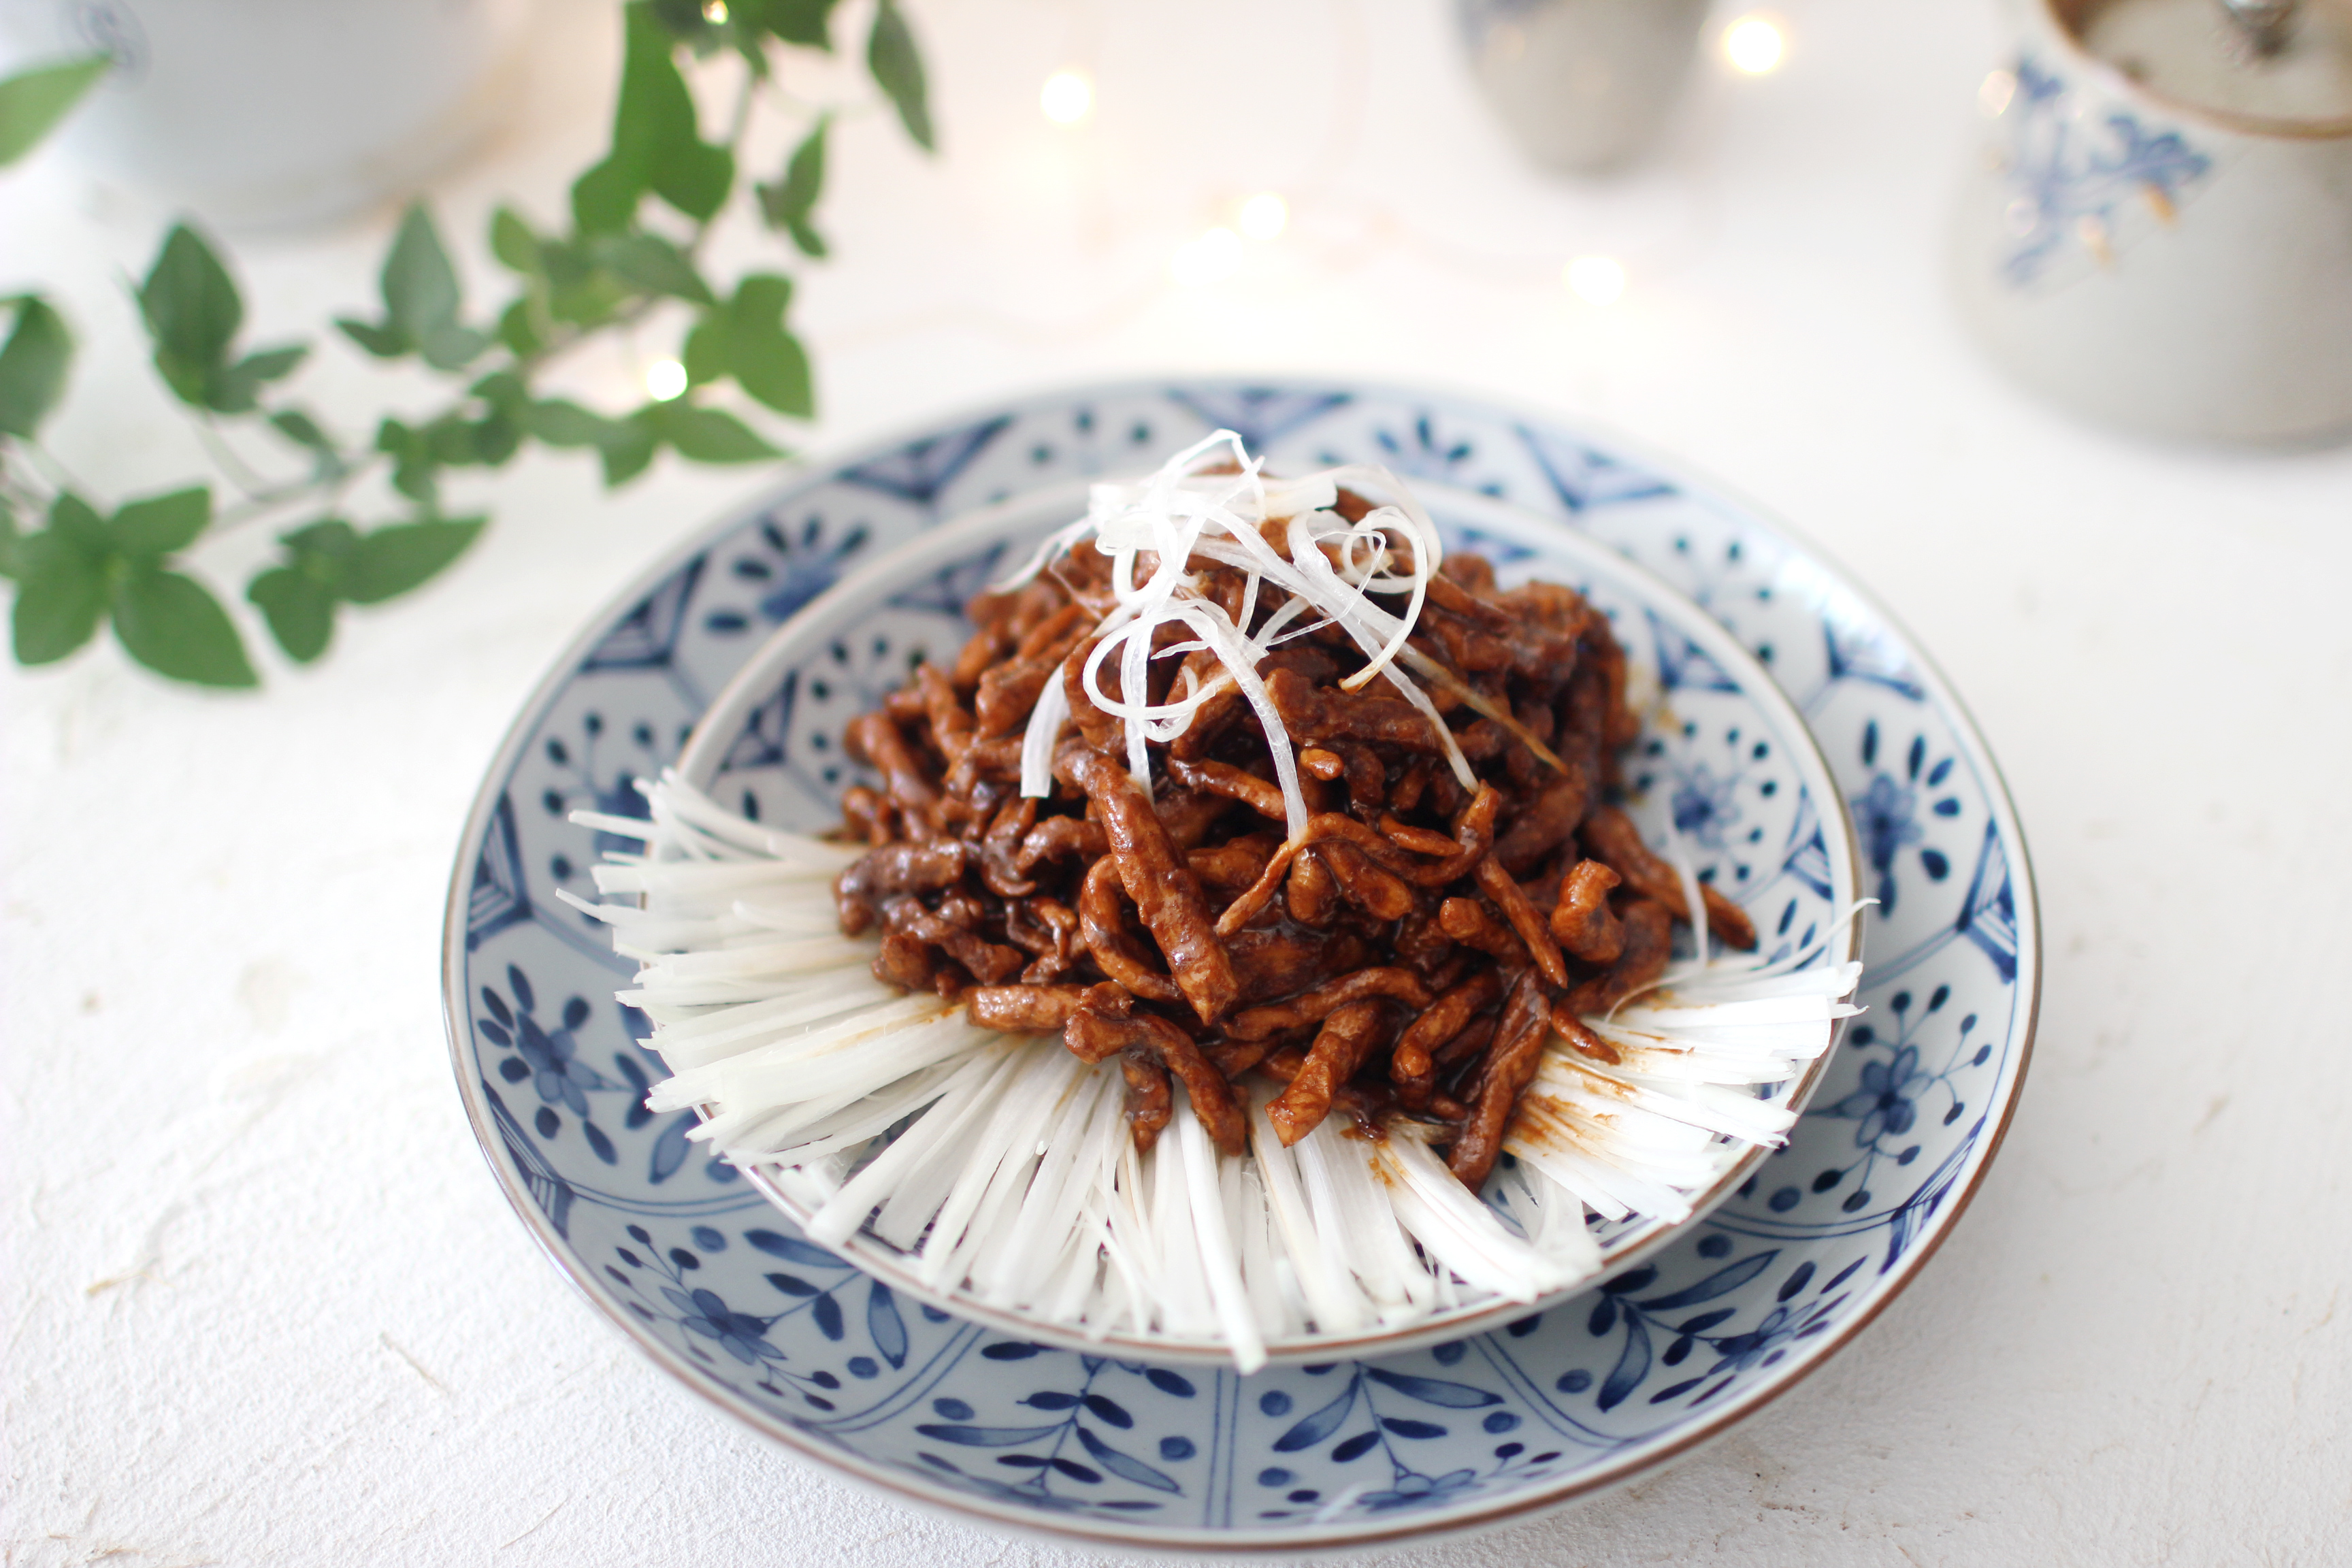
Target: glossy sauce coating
(1409, 954)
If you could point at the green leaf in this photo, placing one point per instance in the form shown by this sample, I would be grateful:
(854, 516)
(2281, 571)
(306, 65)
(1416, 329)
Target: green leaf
(519, 332)
(805, 175)
(272, 365)
(299, 608)
(578, 290)
(420, 287)
(654, 265)
(452, 347)
(415, 464)
(497, 438)
(326, 458)
(681, 19)
(395, 560)
(807, 22)
(898, 68)
(33, 367)
(302, 429)
(74, 519)
(422, 298)
(60, 596)
(499, 434)
(193, 313)
(501, 389)
(174, 625)
(233, 389)
(656, 146)
(680, 168)
(762, 297)
(771, 365)
(695, 178)
(766, 360)
(631, 448)
(33, 101)
(562, 423)
(11, 536)
(688, 22)
(450, 440)
(753, 48)
(589, 303)
(192, 385)
(707, 354)
(787, 204)
(708, 434)
(385, 342)
(606, 196)
(320, 548)
(145, 530)
(513, 242)
(570, 263)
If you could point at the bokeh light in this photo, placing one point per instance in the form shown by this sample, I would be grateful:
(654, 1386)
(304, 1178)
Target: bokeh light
(1263, 216)
(1754, 44)
(665, 379)
(1068, 97)
(1993, 93)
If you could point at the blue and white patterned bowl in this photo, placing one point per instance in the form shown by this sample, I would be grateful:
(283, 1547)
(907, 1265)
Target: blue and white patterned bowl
(1725, 757)
(710, 1282)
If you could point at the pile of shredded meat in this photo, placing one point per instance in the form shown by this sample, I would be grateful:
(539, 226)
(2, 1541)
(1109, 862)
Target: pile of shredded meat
(1408, 954)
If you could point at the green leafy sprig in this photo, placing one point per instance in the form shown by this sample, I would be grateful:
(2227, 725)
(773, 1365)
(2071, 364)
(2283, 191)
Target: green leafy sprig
(639, 220)
(32, 102)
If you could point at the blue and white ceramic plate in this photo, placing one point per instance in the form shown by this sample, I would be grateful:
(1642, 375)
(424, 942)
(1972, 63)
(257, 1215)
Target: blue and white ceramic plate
(1721, 742)
(713, 1284)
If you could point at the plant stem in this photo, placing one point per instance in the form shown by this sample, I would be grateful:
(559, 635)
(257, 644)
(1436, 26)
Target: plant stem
(31, 500)
(50, 468)
(741, 121)
(264, 503)
(241, 474)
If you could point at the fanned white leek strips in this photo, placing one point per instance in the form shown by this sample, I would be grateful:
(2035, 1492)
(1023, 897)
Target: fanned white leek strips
(1649, 1134)
(997, 1168)
(1334, 567)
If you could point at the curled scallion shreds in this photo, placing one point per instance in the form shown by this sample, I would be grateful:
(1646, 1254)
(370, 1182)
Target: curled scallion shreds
(1184, 514)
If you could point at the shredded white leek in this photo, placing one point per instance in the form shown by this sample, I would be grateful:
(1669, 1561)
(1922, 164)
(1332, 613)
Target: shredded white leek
(996, 1170)
(1186, 520)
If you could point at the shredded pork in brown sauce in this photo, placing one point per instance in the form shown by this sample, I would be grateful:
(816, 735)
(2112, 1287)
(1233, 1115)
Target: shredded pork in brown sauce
(1409, 954)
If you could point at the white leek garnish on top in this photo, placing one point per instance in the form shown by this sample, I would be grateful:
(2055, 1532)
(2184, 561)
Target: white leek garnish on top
(1189, 520)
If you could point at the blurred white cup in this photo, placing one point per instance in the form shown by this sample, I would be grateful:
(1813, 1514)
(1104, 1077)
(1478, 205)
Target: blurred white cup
(2160, 232)
(276, 113)
(1583, 85)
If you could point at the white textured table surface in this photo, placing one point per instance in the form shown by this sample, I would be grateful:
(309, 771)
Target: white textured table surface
(264, 1304)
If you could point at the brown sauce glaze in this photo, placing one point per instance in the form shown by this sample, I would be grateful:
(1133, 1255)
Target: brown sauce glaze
(1408, 956)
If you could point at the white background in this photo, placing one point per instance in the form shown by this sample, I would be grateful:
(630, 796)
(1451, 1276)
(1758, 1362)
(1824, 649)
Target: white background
(260, 1301)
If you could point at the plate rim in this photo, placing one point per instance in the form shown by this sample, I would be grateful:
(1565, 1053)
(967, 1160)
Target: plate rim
(1632, 1461)
(757, 676)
